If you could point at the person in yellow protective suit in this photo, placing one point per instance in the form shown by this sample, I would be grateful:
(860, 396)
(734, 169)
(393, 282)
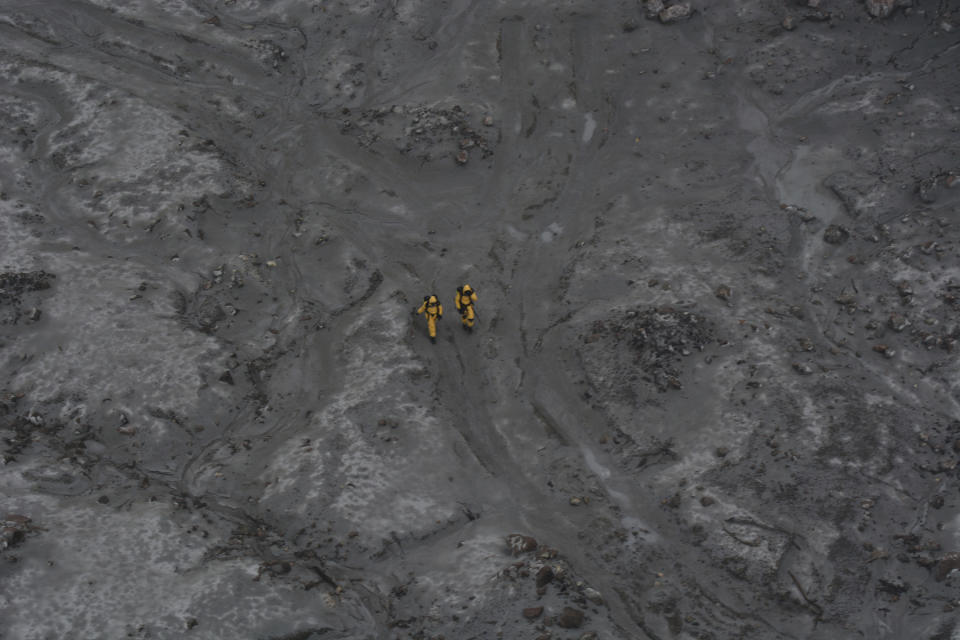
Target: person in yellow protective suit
(434, 311)
(465, 299)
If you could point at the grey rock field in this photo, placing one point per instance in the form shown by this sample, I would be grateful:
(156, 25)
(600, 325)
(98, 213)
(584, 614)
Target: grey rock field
(712, 393)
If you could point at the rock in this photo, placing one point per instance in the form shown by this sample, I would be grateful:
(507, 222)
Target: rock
(570, 618)
(544, 576)
(462, 157)
(17, 520)
(884, 350)
(851, 190)
(10, 537)
(707, 501)
(929, 189)
(488, 121)
(226, 377)
(576, 501)
(835, 234)
(209, 314)
(723, 292)
(590, 635)
(675, 13)
(531, 613)
(898, 322)
(518, 543)
(721, 452)
(802, 368)
(947, 564)
(630, 25)
(789, 23)
(593, 595)
(893, 586)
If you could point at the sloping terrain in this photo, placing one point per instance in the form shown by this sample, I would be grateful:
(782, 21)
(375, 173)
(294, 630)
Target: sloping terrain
(712, 392)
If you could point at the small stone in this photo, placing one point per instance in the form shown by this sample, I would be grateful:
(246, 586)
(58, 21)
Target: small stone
(576, 500)
(723, 292)
(789, 23)
(593, 595)
(707, 501)
(675, 13)
(629, 25)
(721, 452)
(462, 157)
(488, 121)
(531, 613)
(226, 377)
(570, 618)
(34, 314)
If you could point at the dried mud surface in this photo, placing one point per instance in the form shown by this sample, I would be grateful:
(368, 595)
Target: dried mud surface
(712, 392)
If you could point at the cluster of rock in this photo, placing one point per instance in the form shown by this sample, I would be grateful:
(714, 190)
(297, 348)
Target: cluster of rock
(656, 339)
(13, 286)
(542, 566)
(883, 8)
(421, 131)
(667, 12)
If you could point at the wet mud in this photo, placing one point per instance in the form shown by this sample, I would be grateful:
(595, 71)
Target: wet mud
(711, 393)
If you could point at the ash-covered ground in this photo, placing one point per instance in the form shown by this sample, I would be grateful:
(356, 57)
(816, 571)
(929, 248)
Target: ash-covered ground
(713, 391)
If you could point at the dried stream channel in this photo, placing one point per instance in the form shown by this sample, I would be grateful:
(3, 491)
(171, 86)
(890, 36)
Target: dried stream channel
(713, 388)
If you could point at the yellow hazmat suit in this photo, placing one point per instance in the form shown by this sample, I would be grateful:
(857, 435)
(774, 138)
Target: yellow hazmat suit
(434, 310)
(465, 299)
